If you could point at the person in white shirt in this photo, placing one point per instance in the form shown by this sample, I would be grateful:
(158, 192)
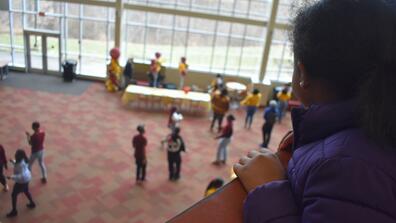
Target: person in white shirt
(22, 177)
(175, 118)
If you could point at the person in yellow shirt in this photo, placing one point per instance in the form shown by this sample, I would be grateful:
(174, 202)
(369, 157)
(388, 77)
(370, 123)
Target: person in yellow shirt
(183, 66)
(252, 102)
(220, 106)
(283, 100)
(158, 62)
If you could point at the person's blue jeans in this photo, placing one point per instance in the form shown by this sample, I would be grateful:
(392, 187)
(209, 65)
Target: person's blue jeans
(40, 156)
(282, 106)
(222, 149)
(250, 110)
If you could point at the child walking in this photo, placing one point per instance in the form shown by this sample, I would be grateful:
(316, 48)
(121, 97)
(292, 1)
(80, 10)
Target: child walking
(36, 140)
(225, 139)
(22, 177)
(175, 147)
(3, 164)
(139, 143)
(270, 114)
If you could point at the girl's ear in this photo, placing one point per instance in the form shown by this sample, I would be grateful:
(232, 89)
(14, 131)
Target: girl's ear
(303, 81)
(301, 84)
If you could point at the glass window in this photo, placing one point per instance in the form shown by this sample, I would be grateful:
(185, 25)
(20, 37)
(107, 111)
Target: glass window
(227, 7)
(179, 47)
(135, 41)
(209, 45)
(51, 23)
(260, 9)
(252, 52)
(5, 53)
(5, 40)
(242, 8)
(72, 41)
(51, 7)
(18, 52)
(234, 51)
(31, 5)
(135, 17)
(93, 48)
(98, 12)
(280, 62)
(73, 9)
(16, 4)
(158, 40)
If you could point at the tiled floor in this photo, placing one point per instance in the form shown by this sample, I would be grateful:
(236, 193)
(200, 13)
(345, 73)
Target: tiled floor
(90, 162)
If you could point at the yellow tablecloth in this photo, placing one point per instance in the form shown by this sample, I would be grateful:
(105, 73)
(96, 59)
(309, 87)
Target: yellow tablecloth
(166, 96)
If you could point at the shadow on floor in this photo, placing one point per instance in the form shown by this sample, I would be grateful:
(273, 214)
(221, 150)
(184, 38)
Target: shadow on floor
(47, 83)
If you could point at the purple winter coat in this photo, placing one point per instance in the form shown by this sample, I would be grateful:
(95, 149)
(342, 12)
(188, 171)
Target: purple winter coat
(337, 174)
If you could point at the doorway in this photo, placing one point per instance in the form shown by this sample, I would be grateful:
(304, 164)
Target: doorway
(43, 51)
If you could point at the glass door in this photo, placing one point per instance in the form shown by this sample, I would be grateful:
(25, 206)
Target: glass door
(43, 53)
(52, 54)
(36, 52)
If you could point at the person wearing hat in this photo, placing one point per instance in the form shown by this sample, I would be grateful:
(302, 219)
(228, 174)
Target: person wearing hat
(270, 114)
(224, 140)
(139, 143)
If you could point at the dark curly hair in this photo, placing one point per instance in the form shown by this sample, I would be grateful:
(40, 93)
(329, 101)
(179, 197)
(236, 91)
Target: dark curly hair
(350, 45)
(21, 155)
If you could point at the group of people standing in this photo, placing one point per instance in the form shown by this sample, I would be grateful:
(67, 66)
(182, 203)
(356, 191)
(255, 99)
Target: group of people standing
(155, 76)
(221, 105)
(118, 78)
(22, 168)
(174, 144)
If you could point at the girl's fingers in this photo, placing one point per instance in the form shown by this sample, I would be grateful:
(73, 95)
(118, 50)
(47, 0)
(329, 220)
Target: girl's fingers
(266, 151)
(244, 160)
(237, 167)
(252, 153)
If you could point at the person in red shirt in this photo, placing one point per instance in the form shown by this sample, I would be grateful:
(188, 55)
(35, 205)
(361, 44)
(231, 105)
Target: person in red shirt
(36, 140)
(225, 139)
(139, 143)
(3, 163)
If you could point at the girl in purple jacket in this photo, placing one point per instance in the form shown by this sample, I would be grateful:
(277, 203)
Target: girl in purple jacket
(344, 152)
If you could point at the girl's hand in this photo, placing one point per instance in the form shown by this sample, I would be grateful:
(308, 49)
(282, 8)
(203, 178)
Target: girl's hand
(259, 167)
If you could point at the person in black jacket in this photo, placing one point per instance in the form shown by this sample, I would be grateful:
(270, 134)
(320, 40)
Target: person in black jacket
(128, 72)
(175, 147)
